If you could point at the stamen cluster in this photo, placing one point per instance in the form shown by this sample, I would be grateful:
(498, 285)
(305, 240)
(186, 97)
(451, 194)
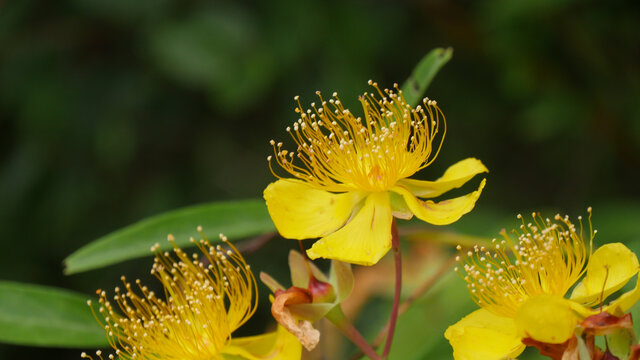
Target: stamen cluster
(547, 258)
(205, 299)
(338, 151)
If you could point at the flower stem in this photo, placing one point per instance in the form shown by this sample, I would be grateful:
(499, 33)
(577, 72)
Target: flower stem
(397, 256)
(406, 304)
(337, 317)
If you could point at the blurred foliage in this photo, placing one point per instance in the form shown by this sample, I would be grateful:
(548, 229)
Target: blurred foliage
(114, 110)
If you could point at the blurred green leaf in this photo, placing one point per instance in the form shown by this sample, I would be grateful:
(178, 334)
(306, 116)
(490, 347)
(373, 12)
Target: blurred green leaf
(423, 74)
(235, 219)
(43, 316)
(442, 306)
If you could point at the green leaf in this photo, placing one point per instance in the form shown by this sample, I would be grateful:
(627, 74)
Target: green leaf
(423, 74)
(43, 316)
(235, 219)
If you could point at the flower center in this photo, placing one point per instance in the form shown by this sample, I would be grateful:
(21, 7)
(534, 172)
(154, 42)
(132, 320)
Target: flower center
(337, 151)
(548, 258)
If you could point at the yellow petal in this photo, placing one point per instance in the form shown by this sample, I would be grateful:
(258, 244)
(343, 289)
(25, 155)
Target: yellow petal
(625, 301)
(454, 177)
(364, 240)
(483, 335)
(278, 345)
(301, 211)
(609, 268)
(547, 318)
(444, 212)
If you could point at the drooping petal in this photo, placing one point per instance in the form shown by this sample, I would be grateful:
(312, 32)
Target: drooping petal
(441, 213)
(342, 279)
(299, 268)
(301, 211)
(609, 268)
(311, 312)
(364, 240)
(278, 345)
(547, 318)
(270, 282)
(454, 177)
(483, 335)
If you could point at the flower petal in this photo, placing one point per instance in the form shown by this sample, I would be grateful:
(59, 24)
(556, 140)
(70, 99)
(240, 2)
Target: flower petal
(444, 212)
(365, 239)
(547, 318)
(454, 177)
(278, 345)
(625, 301)
(609, 268)
(301, 211)
(483, 335)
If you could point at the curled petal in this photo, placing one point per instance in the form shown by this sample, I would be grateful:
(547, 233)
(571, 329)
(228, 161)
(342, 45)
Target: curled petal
(483, 335)
(278, 345)
(609, 268)
(441, 213)
(302, 329)
(300, 211)
(364, 240)
(547, 318)
(454, 177)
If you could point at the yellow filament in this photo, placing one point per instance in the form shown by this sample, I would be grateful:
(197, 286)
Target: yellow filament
(205, 300)
(548, 258)
(337, 151)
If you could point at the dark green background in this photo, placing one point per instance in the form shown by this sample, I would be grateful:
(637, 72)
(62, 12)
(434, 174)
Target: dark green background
(114, 110)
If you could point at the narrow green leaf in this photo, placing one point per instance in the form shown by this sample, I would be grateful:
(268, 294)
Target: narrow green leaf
(235, 219)
(43, 316)
(415, 86)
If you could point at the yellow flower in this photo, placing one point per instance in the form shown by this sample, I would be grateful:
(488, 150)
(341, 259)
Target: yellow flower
(350, 175)
(520, 287)
(206, 301)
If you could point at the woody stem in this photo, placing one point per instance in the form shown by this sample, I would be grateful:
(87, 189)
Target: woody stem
(395, 244)
(337, 317)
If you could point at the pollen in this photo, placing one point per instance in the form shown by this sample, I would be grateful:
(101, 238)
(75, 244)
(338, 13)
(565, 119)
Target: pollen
(206, 297)
(339, 151)
(548, 257)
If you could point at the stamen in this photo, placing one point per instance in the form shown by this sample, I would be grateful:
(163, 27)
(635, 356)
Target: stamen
(206, 300)
(547, 258)
(337, 151)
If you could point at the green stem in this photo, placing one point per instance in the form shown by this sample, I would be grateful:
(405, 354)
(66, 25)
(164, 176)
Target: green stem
(337, 317)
